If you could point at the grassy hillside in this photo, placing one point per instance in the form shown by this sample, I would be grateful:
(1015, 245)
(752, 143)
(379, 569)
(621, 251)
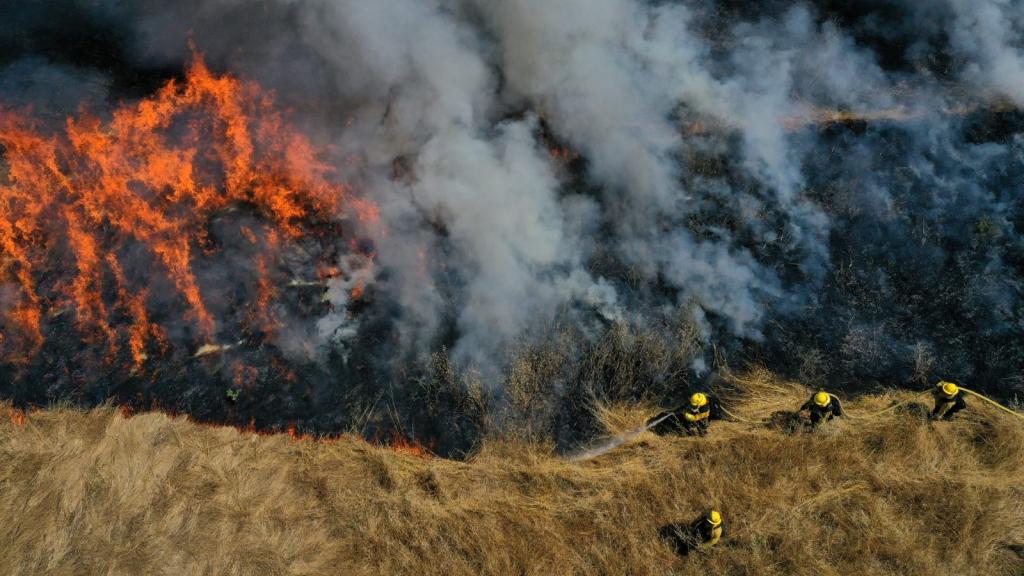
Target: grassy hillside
(97, 493)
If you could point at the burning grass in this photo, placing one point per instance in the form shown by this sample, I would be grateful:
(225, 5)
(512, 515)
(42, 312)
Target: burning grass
(95, 492)
(112, 219)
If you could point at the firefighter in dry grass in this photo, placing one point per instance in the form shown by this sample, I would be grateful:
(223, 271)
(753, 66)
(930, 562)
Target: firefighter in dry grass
(822, 407)
(701, 534)
(708, 530)
(694, 418)
(949, 399)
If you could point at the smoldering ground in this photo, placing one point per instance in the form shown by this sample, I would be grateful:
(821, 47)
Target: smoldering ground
(829, 188)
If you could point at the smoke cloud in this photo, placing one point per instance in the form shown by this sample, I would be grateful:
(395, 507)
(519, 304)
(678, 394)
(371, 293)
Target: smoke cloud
(809, 179)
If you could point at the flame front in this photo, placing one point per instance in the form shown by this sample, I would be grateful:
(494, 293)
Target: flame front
(95, 215)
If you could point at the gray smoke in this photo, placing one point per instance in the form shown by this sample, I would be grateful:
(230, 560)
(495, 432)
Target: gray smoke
(988, 35)
(418, 81)
(714, 165)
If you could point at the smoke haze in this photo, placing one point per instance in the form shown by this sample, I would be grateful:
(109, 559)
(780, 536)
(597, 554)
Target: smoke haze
(830, 188)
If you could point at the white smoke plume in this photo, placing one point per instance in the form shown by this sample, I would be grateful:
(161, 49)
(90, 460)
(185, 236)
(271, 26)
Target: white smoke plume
(445, 112)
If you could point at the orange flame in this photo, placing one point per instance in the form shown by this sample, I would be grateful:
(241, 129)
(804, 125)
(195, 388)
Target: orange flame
(146, 183)
(401, 444)
(18, 417)
(563, 154)
(357, 291)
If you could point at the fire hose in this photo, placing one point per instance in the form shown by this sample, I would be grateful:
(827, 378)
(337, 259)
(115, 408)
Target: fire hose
(894, 406)
(971, 392)
(994, 403)
(740, 418)
(623, 438)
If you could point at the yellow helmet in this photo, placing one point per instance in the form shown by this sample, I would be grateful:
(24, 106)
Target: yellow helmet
(714, 518)
(949, 389)
(698, 400)
(822, 399)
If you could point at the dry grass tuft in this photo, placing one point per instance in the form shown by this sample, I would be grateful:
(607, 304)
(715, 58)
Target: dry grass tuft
(96, 493)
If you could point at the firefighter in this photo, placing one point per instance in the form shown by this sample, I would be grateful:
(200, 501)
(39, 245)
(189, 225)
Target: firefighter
(708, 529)
(701, 534)
(949, 399)
(822, 406)
(694, 418)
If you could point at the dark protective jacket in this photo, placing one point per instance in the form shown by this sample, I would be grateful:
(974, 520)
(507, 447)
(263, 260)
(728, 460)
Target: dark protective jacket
(945, 407)
(697, 420)
(688, 418)
(818, 413)
(696, 535)
(706, 535)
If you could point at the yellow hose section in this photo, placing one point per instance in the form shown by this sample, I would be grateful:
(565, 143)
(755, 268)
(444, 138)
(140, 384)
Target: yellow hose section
(893, 407)
(897, 405)
(994, 403)
(740, 419)
(619, 440)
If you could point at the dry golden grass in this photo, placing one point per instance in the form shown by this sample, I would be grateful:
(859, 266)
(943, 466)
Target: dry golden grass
(95, 493)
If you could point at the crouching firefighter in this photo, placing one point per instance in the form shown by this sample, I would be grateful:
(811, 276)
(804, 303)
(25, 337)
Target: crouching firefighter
(822, 406)
(949, 399)
(708, 530)
(694, 418)
(701, 534)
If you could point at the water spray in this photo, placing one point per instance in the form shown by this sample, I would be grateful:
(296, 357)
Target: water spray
(616, 441)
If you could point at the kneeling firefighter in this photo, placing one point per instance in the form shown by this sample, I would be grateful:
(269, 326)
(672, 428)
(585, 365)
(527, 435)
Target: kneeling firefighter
(701, 534)
(949, 399)
(693, 418)
(822, 407)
